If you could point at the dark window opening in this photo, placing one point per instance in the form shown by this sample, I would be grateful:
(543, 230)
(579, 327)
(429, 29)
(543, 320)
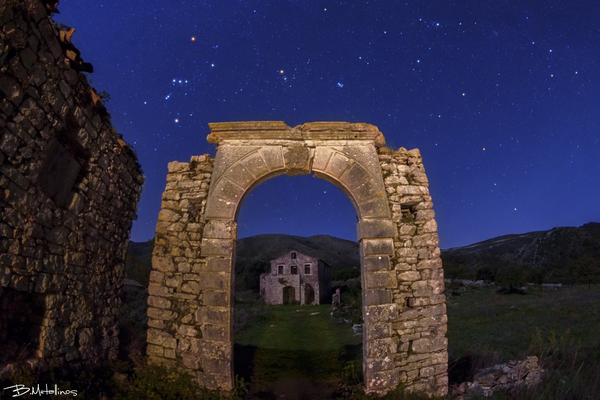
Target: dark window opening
(306, 269)
(280, 269)
(294, 270)
(293, 256)
(408, 213)
(64, 166)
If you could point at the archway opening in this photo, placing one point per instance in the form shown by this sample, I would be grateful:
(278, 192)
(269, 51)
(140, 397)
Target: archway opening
(293, 230)
(288, 295)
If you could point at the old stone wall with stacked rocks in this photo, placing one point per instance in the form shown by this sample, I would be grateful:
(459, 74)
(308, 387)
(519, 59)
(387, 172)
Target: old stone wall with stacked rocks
(419, 328)
(191, 291)
(188, 301)
(70, 190)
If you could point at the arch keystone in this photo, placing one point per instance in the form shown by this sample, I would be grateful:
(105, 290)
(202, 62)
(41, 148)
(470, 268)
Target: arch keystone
(297, 160)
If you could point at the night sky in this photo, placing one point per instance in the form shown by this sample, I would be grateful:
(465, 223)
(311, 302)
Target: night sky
(501, 97)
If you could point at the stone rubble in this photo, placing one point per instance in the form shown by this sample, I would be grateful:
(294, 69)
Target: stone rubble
(501, 377)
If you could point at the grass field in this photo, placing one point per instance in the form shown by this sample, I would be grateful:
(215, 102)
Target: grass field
(303, 350)
(482, 319)
(484, 327)
(291, 342)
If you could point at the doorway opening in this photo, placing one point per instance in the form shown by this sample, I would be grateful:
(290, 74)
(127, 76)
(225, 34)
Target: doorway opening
(290, 339)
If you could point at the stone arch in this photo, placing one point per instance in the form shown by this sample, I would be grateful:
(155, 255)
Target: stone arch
(191, 291)
(341, 153)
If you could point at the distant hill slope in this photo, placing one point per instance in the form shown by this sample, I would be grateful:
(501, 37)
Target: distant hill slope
(563, 255)
(560, 254)
(253, 255)
(338, 253)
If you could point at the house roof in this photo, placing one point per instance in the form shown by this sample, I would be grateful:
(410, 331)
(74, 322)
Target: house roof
(286, 255)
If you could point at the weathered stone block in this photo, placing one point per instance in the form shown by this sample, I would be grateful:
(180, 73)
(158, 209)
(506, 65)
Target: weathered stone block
(378, 330)
(191, 287)
(216, 298)
(217, 247)
(409, 276)
(161, 338)
(376, 228)
(219, 264)
(256, 165)
(377, 247)
(376, 297)
(216, 332)
(376, 263)
(219, 229)
(212, 315)
(381, 382)
(169, 216)
(429, 345)
(163, 264)
(273, 157)
(218, 281)
(187, 330)
(297, 160)
(160, 314)
(377, 280)
(381, 313)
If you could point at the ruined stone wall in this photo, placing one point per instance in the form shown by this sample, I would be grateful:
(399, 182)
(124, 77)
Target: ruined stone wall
(188, 300)
(70, 189)
(418, 280)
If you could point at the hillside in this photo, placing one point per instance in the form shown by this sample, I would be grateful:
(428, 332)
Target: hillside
(253, 255)
(338, 253)
(564, 254)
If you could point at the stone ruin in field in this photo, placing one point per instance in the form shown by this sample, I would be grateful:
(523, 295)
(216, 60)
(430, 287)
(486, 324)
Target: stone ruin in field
(191, 285)
(70, 189)
(296, 278)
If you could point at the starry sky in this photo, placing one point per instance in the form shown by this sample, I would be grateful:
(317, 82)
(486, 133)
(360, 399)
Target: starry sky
(501, 97)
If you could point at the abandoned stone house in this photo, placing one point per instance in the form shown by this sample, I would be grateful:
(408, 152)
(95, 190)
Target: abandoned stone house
(70, 190)
(297, 278)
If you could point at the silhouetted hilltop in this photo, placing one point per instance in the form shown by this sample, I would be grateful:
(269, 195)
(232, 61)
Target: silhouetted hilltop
(564, 254)
(338, 253)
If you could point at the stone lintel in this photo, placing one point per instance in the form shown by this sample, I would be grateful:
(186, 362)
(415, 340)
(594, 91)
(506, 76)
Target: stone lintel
(248, 130)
